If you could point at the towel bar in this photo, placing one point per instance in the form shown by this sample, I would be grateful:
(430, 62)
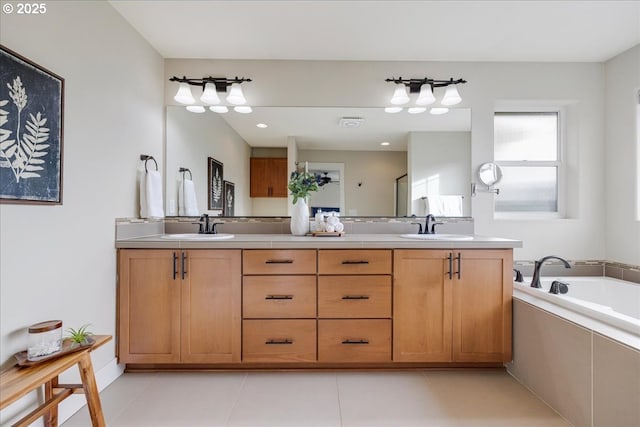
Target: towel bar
(183, 170)
(146, 158)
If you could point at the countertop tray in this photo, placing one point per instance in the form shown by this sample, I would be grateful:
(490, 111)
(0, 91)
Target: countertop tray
(21, 357)
(327, 233)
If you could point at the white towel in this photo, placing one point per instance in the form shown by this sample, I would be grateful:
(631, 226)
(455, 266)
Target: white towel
(151, 195)
(187, 203)
(443, 205)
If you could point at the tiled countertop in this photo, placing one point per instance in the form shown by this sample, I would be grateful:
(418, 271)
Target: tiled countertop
(287, 241)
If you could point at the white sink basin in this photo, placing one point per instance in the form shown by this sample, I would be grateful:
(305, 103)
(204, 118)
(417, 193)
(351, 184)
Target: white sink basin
(196, 236)
(437, 236)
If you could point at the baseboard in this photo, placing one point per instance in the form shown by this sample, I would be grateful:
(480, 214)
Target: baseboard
(104, 377)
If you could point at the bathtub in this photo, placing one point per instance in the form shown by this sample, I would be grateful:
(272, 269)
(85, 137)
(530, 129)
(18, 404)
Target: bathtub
(607, 305)
(580, 351)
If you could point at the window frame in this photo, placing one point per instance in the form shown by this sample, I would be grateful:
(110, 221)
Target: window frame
(559, 163)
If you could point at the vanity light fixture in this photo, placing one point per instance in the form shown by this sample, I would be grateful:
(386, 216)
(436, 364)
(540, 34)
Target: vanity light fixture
(211, 86)
(424, 88)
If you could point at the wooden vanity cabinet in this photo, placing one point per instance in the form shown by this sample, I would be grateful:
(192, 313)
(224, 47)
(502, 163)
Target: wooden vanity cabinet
(452, 305)
(354, 305)
(279, 306)
(179, 306)
(268, 176)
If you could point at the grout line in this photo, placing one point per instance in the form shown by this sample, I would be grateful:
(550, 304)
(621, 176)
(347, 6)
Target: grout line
(235, 403)
(339, 405)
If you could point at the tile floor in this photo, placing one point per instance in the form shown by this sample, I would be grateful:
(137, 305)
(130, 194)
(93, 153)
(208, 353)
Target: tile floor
(322, 399)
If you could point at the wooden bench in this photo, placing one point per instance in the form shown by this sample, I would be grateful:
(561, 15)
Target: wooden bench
(18, 381)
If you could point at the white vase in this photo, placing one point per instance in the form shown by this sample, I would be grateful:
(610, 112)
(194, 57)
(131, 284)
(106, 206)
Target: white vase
(300, 218)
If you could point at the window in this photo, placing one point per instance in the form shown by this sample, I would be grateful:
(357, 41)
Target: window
(527, 148)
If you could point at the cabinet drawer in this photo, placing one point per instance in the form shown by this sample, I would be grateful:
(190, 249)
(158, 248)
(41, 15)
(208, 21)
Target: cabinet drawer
(350, 261)
(279, 261)
(354, 296)
(279, 341)
(279, 297)
(354, 340)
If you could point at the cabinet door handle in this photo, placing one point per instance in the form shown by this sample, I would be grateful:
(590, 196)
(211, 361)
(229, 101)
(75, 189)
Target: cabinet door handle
(355, 261)
(279, 297)
(184, 265)
(279, 261)
(348, 297)
(459, 265)
(278, 342)
(175, 265)
(355, 342)
(450, 272)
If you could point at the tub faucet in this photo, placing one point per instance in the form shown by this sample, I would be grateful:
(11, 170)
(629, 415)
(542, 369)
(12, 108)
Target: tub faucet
(535, 281)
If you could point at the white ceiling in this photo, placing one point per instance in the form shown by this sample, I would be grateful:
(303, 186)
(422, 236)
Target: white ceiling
(566, 31)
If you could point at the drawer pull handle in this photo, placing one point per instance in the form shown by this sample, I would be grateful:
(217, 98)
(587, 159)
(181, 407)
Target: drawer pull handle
(279, 261)
(279, 297)
(285, 341)
(355, 342)
(356, 261)
(355, 297)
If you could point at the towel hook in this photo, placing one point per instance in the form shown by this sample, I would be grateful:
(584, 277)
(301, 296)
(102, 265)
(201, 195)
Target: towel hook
(146, 158)
(183, 170)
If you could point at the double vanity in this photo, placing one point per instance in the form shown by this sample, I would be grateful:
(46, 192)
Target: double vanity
(243, 301)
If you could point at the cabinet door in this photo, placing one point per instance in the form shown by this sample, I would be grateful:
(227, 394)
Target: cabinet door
(278, 177)
(259, 181)
(149, 306)
(482, 306)
(421, 306)
(211, 305)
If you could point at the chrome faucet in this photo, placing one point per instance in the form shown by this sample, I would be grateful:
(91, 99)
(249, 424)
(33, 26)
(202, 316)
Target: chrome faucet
(535, 280)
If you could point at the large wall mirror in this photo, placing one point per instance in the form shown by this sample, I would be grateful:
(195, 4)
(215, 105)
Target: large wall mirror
(364, 176)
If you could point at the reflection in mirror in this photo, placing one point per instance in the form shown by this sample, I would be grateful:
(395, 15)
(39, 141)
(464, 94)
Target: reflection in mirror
(489, 174)
(434, 152)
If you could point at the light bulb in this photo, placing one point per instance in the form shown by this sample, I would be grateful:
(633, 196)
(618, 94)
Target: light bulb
(220, 109)
(416, 110)
(436, 111)
(209, 95)
(392, 110)
(426, 95)
(451, 96)
(243, 109)
(184, 96)
(400, 95)
(195, 108)
(235, 96)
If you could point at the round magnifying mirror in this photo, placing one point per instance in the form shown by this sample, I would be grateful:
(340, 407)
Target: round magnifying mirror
(489, 174)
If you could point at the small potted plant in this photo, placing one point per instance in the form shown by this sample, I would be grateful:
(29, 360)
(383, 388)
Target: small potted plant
(300, 185)
(80, 337)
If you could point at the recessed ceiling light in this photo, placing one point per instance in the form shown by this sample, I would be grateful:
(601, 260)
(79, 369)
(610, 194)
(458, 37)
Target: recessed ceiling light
(244, 109)
(385, 143)
(262, 125)
(221, 109)
(392, 110)
(195, 108)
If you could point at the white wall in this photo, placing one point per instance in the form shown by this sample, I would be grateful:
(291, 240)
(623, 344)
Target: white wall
(191, 139)
(369, 178)
(439, 164)
(621, 157)
(58, 262)
(577, 86)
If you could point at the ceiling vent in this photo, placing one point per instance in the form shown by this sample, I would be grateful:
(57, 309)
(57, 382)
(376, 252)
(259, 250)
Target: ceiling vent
(351, 122)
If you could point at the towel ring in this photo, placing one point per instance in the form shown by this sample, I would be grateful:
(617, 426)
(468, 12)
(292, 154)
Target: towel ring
(146, 158)
(183, 170)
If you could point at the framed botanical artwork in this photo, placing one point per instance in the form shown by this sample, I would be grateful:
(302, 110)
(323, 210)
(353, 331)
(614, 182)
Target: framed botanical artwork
(215, 185)
(229, 199)
(31, 131)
